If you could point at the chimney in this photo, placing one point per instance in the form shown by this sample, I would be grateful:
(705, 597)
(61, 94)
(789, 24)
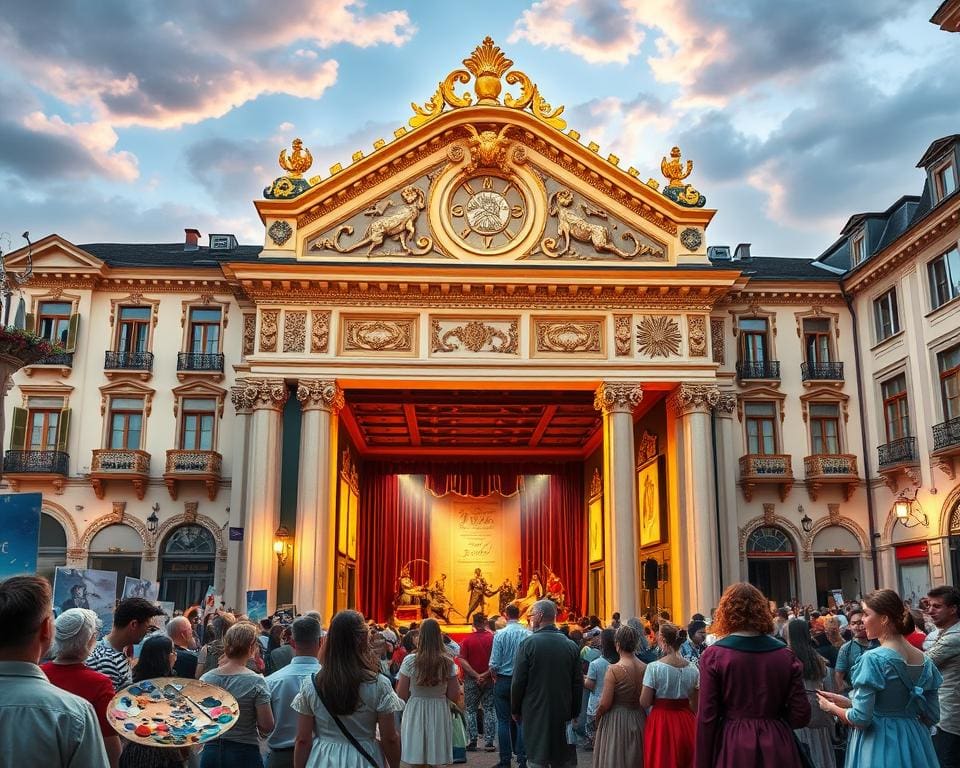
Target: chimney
(742, 252)
(191, 241)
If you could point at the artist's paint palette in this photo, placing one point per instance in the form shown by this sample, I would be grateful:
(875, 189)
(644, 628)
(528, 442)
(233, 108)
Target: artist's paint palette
(172, 712)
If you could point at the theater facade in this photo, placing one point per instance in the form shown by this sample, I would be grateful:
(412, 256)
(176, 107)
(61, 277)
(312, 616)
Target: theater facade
(482, 345)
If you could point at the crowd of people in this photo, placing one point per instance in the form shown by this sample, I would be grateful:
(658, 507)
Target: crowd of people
(869, 684)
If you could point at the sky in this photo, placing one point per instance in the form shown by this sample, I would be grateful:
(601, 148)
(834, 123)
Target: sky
(127, 122)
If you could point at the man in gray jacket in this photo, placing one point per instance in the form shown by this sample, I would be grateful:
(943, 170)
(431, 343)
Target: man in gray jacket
(546, 690)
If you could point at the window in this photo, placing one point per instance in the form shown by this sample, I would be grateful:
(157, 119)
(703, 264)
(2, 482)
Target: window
(753, 339)
(761, 428)
(885, 315)
(816, 340)
(204, 331)
(895, 413)
(41, 426)
(196, 430)
(944, 274)
(858, 247)
(126, 423)
(53, 321)
(825, 428)
(133, 334)
(949, 364)
(945, 180)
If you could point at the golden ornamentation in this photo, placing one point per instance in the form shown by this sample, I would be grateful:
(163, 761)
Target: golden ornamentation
(488, 65)
(400, 224)
(646, 448)
(488, 212)
(717, 337)
(568, 337)
(697, 335)
(378, 335)
(294, 331)
(269, 326)
(319, 331)
(280, 231)
(573, 227)
(596, 484)
(617, 397)
(622, 335)
(673, 169)
(476, 336)
(249, 334)
(658, 336)
(349, 470)
(298, 162)
(488, 149)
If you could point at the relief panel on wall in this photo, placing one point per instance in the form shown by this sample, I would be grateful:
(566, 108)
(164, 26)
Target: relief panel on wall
(565, 337)
(370, 335)
(466, 337)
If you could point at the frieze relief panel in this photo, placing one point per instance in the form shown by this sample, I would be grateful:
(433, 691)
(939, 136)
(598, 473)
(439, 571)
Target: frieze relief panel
(294, 331)
(658, 336)
(565, 337)
(269, 329)
(469, 336)
(370, 335)
(249, 333)
(319, 331)
(697, 335)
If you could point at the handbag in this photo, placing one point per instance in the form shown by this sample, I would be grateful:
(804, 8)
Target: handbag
(343, 729)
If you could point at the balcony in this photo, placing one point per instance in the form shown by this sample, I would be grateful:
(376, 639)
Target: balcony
(946, 445)
(63, 362)
(831, 469)
(199, 363)
(758, 370)
(117, 362)
(766, 469)
(38, 466)
(119, 464)
(203, 466)
(896, 458)
(831, 371)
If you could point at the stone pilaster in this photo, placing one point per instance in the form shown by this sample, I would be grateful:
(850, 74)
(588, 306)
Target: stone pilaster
(236, 565)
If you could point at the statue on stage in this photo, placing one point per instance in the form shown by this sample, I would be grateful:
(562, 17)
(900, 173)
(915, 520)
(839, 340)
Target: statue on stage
(534, 593)
(479, 591)
(438, 604)
(507, 595)
(408, 592)
(557, 593)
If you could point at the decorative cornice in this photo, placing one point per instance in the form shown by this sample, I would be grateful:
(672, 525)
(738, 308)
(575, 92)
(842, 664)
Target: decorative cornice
(320, 394)
(257, 394)
(689, 398)
(618, 397)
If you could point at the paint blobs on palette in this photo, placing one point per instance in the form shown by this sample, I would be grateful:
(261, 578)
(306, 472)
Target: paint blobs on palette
(209, 702)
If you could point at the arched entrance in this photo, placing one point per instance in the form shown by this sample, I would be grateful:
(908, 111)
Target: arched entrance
(836, 562)
(772, 563)
(117, 548)
(52, 551)
(187, 559)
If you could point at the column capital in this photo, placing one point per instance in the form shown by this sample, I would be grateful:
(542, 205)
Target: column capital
(321, 394)
(617, 397)
(694, 398)
(259, 394)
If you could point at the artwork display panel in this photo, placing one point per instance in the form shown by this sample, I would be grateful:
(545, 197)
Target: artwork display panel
(595, 520)
(149, 590)
(19, 533)
(85, 588)
(650, 502)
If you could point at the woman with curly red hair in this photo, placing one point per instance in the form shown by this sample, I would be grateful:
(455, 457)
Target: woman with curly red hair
(751, 689)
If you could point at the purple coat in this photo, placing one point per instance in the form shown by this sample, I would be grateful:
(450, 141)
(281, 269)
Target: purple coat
(751, 697)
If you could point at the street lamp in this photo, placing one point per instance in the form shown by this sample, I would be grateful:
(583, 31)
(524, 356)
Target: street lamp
(908, 511)
(7, 279)
(153, 522)
(805, 522)
(281, 545)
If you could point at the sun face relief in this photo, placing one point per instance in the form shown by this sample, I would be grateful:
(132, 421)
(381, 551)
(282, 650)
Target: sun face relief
(487, 212)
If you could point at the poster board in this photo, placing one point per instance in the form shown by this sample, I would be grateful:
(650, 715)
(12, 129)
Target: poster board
(650, 502)
(256, 604)
(19, 533)
(149, 590)
(595, 521)
(85, 588)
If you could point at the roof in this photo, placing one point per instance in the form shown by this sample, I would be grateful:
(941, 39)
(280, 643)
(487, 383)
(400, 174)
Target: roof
(947, 16)
(936, 148)
(781, 268)
(168, 254)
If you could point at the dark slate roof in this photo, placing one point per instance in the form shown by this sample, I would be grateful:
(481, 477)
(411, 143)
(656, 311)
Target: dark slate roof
(779, 268)
(937, 148)
(167, 254)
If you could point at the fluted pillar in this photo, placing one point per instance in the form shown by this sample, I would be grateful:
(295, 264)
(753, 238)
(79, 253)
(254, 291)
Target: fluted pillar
(727, 470)
(617, 400)
(265, 398)
(235, 589)
(313, 577)
(694, 545)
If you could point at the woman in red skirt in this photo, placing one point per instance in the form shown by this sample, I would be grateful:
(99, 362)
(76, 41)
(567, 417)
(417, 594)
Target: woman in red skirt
(671, 685)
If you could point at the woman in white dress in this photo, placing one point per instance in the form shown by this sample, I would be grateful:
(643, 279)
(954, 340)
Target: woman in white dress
(349, 686)
(428, 683)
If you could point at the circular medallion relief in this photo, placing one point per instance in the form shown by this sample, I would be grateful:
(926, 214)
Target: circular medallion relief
(487, 212)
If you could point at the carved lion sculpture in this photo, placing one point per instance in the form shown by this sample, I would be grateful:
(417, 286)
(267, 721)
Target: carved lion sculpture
(400, 223)
(572, 226)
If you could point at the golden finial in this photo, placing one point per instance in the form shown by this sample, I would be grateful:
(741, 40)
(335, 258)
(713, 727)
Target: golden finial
(673, 169)
(487, 64)
(298, 162)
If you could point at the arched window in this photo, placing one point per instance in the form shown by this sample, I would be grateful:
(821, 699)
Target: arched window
(117, 548)
(187, 563)
(53, 546)
(189, 540)
(769, 540)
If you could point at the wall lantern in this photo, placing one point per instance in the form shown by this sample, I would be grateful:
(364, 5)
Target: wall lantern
(153, 522)
(908, 511)
(281, 545)
(805, 522)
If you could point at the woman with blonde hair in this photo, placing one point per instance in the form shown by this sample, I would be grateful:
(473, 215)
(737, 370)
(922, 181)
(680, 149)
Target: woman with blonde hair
(428, 683)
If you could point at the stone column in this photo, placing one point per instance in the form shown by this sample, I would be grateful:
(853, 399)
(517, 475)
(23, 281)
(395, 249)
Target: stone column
(313, 577)
(236, 579)
(727, 469)
(617, 400)
(266, 398)
(694, 544)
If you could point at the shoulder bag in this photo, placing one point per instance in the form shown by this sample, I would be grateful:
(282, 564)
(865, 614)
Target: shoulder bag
(343, 729)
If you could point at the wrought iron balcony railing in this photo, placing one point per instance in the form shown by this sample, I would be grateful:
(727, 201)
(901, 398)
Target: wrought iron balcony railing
(193, 462)
(120, 461)
(758, 369)
(766, 465)
(830, 464)
(128, 361)
(947, 434)
(900, 451)
(831, 371)
(195, 361)
(28, 462)
(63, 359)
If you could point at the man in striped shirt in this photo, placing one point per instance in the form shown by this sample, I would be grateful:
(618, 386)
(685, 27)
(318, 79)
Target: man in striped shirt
(131, 622)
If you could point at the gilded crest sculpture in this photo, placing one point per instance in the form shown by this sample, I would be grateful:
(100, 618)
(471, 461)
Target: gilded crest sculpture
(675, 172)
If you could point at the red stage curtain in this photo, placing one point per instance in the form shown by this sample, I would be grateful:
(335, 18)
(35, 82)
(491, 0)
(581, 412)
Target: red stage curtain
(393, 527)
(474, 480)
(553, 530)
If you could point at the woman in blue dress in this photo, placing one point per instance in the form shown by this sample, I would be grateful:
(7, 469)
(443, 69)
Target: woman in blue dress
(894, 699)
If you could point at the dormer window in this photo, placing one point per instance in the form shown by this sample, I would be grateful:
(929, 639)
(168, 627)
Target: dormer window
(858, 247)
(944, 179)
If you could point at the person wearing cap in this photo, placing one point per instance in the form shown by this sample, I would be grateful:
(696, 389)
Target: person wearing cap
(131, 622)
(74, 638)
